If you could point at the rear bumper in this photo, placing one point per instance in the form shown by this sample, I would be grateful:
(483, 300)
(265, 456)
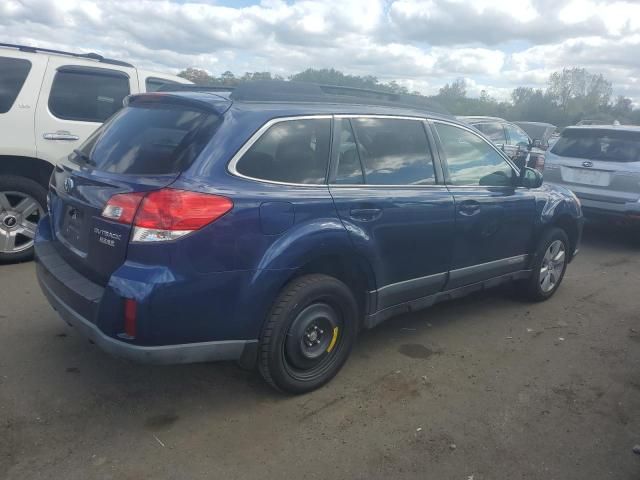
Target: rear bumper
(83, 304)
(165, 354)
(623, 210)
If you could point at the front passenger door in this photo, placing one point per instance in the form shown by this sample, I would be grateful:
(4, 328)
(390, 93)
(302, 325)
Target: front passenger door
(494, 217)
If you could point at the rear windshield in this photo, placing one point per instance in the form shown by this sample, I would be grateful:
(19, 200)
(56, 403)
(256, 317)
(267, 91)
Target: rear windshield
(151, 139)
(598, 144)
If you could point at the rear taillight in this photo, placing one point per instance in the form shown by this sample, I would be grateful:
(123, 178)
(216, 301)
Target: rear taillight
(166, 214)
(123, 207)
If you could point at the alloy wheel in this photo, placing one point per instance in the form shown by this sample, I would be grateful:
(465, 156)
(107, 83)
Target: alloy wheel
(553, 264)
(19, 215)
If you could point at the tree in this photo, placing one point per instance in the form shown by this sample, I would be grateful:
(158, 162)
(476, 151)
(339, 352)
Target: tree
(455, 90)
(197, 76)
(623, 107)
(571, 94)
(228, 78)
(579, 93)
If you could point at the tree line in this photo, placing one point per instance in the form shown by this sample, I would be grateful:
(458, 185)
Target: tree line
(570, 95)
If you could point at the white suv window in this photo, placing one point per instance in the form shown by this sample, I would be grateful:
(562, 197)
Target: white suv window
(13, 73)
(87, 94)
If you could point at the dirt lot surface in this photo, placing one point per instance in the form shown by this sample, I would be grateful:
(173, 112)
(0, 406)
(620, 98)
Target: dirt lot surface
(484, 388)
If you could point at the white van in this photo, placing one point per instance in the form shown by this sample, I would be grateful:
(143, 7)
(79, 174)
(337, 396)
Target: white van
(50, 102)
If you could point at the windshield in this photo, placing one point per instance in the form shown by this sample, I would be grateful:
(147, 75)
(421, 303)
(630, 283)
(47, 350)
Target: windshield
(149, 139)
(537, 132)
(598, 144)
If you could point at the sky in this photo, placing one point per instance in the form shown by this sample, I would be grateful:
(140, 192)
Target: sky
(495, 45)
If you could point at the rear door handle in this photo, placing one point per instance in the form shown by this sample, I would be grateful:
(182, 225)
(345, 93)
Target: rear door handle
(469, 208)
(365, 214)
(61, 135)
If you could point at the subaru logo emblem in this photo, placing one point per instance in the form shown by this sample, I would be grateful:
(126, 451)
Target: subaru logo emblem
(68, 184)
(587, 164)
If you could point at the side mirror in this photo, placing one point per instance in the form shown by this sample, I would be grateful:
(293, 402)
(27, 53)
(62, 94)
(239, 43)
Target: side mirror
(537, 143)
(531, 178)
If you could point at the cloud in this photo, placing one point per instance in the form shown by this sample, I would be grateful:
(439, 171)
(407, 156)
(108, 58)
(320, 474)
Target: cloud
(495, 44)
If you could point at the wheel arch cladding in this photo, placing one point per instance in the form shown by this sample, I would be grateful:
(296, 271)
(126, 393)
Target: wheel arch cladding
(320, 246)
(28, 167)
(557, 209)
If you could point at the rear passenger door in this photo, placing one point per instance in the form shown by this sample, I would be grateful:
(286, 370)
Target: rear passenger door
(494, 217)
(74, 101)
(386, 186)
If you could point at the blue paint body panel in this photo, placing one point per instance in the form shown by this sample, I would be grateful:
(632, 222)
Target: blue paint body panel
(218, 283)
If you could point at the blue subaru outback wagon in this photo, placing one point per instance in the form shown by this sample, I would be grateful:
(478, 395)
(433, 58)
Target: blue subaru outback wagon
(269, 225)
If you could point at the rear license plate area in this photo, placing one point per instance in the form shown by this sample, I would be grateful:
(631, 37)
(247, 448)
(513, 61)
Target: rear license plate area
(596, 178)
(73, 227)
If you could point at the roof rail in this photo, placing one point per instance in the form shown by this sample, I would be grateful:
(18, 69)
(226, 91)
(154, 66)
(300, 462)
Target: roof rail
(90, 56)
(290, 91)
(186, 87)
(480, 118)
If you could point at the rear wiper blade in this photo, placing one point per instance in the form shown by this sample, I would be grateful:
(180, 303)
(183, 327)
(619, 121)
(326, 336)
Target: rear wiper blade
(83, 156)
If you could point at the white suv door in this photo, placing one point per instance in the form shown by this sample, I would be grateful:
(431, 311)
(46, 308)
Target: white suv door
(75, 99)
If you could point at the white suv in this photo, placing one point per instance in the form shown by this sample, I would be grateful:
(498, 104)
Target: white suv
(50, 102)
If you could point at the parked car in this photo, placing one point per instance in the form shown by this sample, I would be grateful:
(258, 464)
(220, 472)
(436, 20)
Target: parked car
(269, 225)
(601, 165)
(511, 139)
(539, 132)
(50, 102)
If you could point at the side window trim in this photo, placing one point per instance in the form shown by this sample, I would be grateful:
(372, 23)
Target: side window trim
(357, 140)
(106, 72)
(431, 144)
(443, 157)
(232, 165)
(335, 152)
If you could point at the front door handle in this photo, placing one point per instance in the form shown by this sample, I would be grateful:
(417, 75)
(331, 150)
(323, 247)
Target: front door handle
(469, 208)
(365, 214)
(61, 135)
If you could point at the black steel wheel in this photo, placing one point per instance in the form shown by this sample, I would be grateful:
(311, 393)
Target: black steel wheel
(308, 334)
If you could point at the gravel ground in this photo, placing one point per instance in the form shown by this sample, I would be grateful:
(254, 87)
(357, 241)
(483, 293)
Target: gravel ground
(483, 388)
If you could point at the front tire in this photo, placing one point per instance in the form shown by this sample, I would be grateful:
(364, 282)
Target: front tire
(549, 265)
(308, 334)
(22, 203)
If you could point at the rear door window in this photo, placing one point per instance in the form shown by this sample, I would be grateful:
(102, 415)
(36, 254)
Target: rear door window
(493, 131)
(599, 144)
(13, 73)
(87, 94)
(151, 139)
(292, 151)
(392, 152)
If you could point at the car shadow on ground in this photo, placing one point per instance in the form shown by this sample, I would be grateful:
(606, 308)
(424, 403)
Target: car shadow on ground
(611, 236)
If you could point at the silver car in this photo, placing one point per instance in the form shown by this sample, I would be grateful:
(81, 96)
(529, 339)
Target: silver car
(601, 165)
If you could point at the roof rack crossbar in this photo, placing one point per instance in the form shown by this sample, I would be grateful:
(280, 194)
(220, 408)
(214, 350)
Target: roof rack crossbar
(91, 56)
(291, 91)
